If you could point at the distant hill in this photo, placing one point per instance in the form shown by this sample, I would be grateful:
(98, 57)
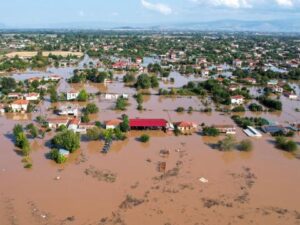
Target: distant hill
(222, 25)
(237, 25)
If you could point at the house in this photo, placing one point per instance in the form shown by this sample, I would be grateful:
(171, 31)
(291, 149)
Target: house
(14, 96)
(205, 72)
(120, 65)
(86, 126)
(186, 126)
(30, 80)
(250, 80)
(252, 132)
(233, 87)
(272, 129)
(237, 63)
(290, 95)
(64, 111)
(139, 60)
(112, 124)
(226, 129)
(72, 95)
(148, 124)
(54, 78)
(74, 124)
(57, 122)
(32, 96)
(272, 82)
(19, 105)
(64, 152)
(2, 108)
(237, 99)
(275, 88)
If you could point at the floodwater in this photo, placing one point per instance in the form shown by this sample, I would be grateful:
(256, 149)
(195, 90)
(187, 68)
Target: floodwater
(257, 187)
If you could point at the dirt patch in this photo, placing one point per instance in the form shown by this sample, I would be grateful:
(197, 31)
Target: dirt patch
(101, 175)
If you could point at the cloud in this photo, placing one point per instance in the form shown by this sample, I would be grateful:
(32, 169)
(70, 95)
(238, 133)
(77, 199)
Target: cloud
(236, 4)
(240, 4)
(158, 7)
(285, 3)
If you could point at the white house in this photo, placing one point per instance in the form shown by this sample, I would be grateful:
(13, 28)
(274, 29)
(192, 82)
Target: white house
(19, 105)
(291, 95)
(2, 108)
(237, 63)
(112, 124)
(72, 95)
(32, 96)
(57, 122)
(64, 111)
(73, 125)
(14, 96)
(237, 100)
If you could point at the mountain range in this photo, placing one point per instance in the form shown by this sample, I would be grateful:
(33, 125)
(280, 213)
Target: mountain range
(222, 25)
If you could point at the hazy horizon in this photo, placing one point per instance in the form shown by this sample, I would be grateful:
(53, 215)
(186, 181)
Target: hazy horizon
(43, 13)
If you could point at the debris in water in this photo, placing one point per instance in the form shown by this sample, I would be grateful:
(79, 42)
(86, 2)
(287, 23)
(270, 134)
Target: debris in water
(203, 180)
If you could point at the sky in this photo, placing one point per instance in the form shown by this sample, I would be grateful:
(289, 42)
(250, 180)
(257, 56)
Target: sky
(126, 12)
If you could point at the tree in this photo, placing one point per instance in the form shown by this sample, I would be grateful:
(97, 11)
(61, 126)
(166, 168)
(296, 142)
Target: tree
(255, 107)
(121, 104)
(23, 143)
(68, 140)
(91, 108)
(94, 133)
(83, 96)
(124, 126)
(53, 94)
(143, 82)
(144, 138)
(32, 130)
(210, 131)
(239, 108)
(129, 78)
(108, 134)
(227, 144)
(245, 145)
(85, 118)
(180, 109)
(58, 158)
(17, 129)
(285, 144)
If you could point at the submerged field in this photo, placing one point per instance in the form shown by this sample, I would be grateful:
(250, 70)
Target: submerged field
(125, 186)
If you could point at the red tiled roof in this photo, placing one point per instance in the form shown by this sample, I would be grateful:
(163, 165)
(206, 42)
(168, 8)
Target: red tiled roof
(20, 102)
(147, 122)
(75, 121)
(185, 124)
(113, 122)
(237, 97)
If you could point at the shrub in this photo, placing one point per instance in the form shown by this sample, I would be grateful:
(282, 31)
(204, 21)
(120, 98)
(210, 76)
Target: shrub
(121, 104)
(144, 138)
(83, 96)
(94, 133)
(255, 107)
(180, 109)
(210, 131)
(91, 108)
(245, 145)
(67, 140)
(285, 144)
(227, 144)
(238, 109)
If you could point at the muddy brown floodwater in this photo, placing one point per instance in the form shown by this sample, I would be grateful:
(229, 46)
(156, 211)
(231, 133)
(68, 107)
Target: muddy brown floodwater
(126, 187)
